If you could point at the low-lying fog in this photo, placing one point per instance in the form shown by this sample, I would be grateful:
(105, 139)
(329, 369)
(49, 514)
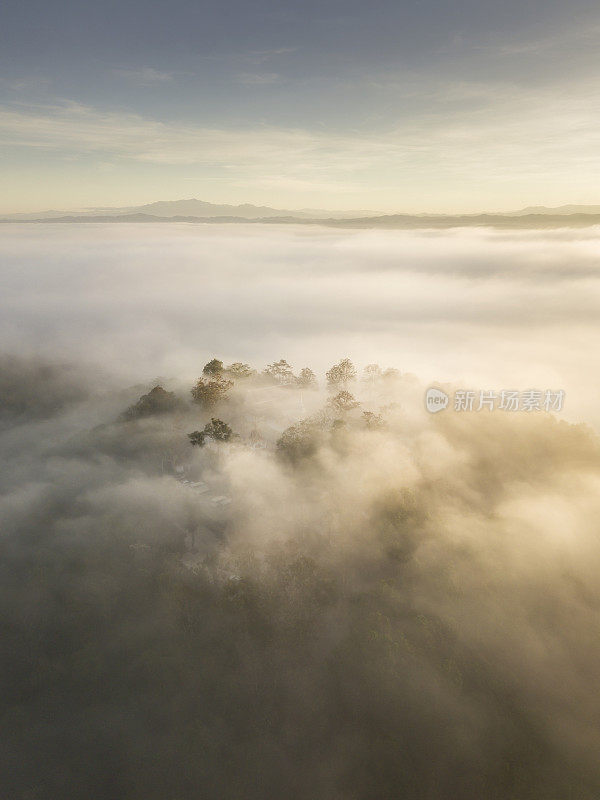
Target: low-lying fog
(336, 601)
(480, 308)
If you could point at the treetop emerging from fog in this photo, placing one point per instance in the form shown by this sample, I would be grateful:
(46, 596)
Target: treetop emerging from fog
(327, 593)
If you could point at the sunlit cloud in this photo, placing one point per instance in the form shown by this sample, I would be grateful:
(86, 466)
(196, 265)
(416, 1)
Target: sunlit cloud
(483, 306)
(491, 140)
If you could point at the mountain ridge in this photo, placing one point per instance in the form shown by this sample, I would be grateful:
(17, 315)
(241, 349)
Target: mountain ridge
(194, 210)
(190, 208)
(390, 221)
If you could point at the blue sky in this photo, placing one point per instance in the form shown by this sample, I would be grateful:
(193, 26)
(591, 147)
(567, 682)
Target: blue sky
(407, 106)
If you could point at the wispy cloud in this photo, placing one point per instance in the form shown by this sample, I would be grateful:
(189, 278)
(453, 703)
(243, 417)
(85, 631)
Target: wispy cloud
(258, 78)
(464, 138)
(259, 56)
(145, 76)
(574, 38)
(29, 83)
(77, 128)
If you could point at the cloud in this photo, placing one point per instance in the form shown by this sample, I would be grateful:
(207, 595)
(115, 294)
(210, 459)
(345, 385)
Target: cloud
(409, 607)
(260, 56)
(146, 76)
(20, 379)
(572, 39)
(27, 84)
(495, 309)
(493, 137)
(139, 138)
(258, 79)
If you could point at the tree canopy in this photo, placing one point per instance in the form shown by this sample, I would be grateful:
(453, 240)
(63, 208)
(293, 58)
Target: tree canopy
(280, 372)
(216, 429)
(239, 371)
(157, 401)
(307, 379)
(341, 374)
(209, 393)
(214, 368)
(343, 401)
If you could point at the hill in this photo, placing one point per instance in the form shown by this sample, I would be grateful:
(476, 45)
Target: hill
(391, 221)
(188, 208)
(558, 211)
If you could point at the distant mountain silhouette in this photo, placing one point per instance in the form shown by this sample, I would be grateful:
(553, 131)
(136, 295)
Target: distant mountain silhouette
(194, 210)
(191, 208)
(200, 208)
(391, 221)
(558, 211)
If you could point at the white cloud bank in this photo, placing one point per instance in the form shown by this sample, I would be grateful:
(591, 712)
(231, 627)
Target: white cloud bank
(484, 309)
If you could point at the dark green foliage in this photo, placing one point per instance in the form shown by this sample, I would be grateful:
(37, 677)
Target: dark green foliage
(157, 401)
(213, 369)
(197, 438)
(208, 394)
(218, 430)
(215, 429)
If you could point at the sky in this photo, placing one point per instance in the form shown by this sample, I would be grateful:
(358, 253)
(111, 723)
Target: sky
(388, 106)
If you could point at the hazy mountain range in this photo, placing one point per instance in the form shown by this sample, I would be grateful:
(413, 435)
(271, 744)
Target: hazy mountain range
(200, 211)
(193, 208)
(559, 210)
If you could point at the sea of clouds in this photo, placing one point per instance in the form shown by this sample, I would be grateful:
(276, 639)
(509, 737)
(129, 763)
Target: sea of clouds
(401, 611)
(479, 308)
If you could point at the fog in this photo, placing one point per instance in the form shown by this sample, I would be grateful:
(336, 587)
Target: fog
(326, 604)
(485, 309)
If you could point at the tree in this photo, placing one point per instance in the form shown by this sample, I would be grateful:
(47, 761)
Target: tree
(341, 374)
(373, 422)
(157, 401)
(218, 430)
(372, 372)
(215, 429)
(214, 368)
(343, 401)
(209, 393)
(280, 372)
(307, 379)
(197, 438)
(299, 441)
(239, 371)
(391, 374)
